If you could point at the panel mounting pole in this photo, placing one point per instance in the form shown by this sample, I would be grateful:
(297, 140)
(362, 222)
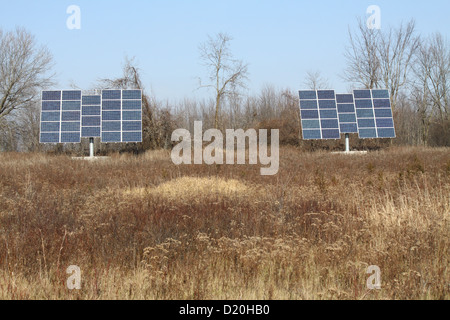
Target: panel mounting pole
(91, 147)
(347, 142)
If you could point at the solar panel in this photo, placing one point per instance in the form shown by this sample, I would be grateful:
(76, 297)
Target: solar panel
(121, 116)
(91, 116)
(60, 116)
(131, 116)
(51, 95)
(318, 110)
(111, 130)
(73, 95)
(70, 119)
(50, 117)
(374, 114)
(347, 114)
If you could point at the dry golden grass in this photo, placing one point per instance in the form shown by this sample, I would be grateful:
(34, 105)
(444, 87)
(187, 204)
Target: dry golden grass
(188, 189)
(143, 228)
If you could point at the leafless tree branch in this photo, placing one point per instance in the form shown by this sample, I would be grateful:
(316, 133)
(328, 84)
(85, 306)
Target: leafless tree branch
(226, 74)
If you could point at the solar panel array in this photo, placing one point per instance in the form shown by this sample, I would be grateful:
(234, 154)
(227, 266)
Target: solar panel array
(347, 114)
(325, 115)
(374, 113)
(319, 114)
(114, 115)
(91, 116)
(60, 117)
(121, 116)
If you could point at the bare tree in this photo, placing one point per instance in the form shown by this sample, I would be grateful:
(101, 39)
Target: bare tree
(381, 59)
(315, 81)
(9, 135)
(28, 120)
(226, 74)
(432, 85)
(396, 49)
(433, 72)
(24, 70)
(363, 62)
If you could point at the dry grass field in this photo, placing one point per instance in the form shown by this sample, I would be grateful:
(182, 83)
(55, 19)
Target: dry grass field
(140, 227)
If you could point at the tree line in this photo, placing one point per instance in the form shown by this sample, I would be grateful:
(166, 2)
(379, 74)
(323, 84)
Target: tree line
(415, 70)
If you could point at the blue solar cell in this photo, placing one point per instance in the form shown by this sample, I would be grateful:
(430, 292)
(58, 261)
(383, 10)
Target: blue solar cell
(362, 94)
(386, 132)
(70, 137)
(51, 116)
(49, 126)
(347, 117)
(331, 134)
(111, 115)
(51, 105)
(367, 133)
(90, 121)
(329, 124)
(132, 94)
(366, 123)
(111, 125)
(308, 104)
(328, 114)
(311, 134)
(383, 113)
(132, 136)
(70, 126)
(111, 137)
(71, 105)
(131, 126)
(49, 137)
(349, 128)
(70, 116)
(346, 108)
(51, 95)
(363, 104)
(385, 123)
(91, 100)
(327, 104)
(381, 103)
(308, 95)
(133, 105)
(344, 98)
(132, 115)
(310, 124)
(380, 94)
(90, 132)
(326, 94)
(71, 95)
(310, 114)
(111, 105)
(111, 94)
(91, 111)
(364, 113)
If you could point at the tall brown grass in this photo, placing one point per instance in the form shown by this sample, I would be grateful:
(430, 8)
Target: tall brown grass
(140, 227)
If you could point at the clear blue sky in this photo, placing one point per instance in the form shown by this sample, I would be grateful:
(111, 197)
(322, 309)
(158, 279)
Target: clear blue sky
(280, 39)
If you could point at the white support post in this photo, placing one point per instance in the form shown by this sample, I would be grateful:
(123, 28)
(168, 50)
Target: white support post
(91, 147)
(347, 142)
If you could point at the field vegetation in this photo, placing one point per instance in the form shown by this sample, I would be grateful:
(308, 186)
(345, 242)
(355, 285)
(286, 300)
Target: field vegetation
(140, 227)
